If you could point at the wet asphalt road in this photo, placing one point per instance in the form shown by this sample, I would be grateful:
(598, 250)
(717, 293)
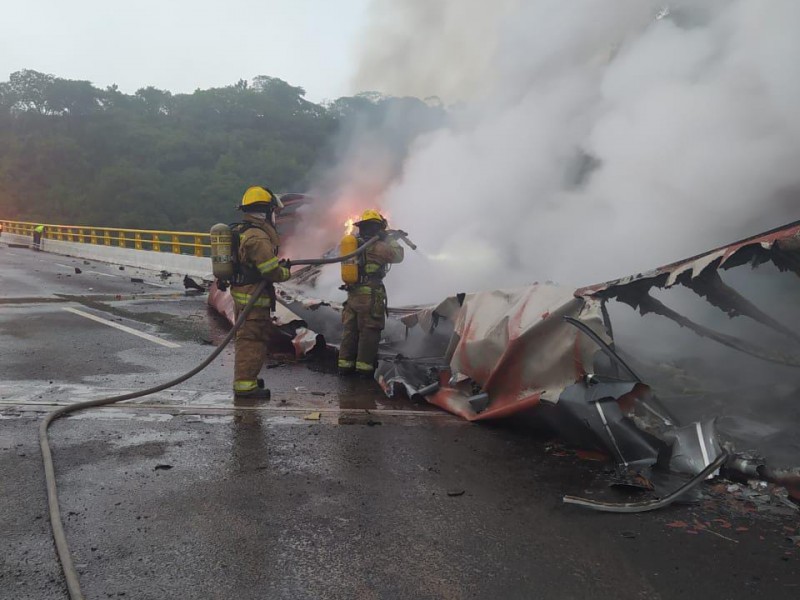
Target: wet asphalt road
(182, 496)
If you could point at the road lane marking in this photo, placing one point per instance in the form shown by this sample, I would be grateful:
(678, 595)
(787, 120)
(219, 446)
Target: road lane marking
(72, 268)
(299, 410)
(155, 284)
(143, 335)
(103, 274)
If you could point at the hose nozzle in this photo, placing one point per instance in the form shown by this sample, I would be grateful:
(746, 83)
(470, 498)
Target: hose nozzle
(403, 236)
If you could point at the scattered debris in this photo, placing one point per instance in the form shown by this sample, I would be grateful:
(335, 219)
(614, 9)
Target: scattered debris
(764, 497)
(162, 467)
(78, 271)
(678, 525)
(121, 268)
(455, 493)
(191, 284)
(164, 275)
(137, 280)
(313, 416)
(592, 455)
(637, 507)
(632, 480)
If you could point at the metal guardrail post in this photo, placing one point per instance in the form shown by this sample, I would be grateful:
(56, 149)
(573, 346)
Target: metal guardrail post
(176, 244)
(156, 243)
(122, 239)
(106, 238)
(198, 246)
(137, 240)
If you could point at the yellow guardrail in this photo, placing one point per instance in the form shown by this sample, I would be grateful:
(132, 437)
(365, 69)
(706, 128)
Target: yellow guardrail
(177, 242)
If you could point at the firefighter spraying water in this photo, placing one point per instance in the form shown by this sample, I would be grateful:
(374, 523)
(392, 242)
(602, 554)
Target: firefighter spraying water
(243, 254)
(364, 314)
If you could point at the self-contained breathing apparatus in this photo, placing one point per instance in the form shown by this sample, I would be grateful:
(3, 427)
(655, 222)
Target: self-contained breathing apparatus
(226, 267)
(356, 270)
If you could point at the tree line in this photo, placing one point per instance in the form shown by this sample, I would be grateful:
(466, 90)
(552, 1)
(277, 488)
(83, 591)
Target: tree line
(73, 153)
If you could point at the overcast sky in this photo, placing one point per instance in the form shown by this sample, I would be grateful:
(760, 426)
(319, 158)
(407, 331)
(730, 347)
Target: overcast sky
(181, 45)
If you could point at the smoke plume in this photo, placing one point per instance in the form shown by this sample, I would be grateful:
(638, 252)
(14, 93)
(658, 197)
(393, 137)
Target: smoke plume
(585, 140)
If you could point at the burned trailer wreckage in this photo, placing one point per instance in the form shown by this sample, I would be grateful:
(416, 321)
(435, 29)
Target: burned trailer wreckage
(547, 355)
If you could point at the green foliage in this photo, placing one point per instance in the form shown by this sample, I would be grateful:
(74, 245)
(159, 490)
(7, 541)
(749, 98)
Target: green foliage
(72, 153)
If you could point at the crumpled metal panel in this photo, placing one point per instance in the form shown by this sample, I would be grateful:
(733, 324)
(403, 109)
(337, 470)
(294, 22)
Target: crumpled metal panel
(222, 302)
(694, 446)
(602, 413)
(784, 238)
(515, 346)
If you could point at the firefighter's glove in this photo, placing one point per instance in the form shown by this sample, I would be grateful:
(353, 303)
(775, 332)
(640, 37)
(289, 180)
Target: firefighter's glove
(283, 271)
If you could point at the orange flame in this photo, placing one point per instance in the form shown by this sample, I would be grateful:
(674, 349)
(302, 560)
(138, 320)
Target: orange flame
(350, 224)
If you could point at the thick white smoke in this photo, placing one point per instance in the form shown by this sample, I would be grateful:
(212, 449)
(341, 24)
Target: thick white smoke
(597, 137)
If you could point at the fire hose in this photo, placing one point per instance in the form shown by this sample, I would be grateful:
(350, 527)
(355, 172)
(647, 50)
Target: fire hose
(56, 522)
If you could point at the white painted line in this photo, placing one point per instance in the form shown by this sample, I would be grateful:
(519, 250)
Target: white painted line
(189, 409)
(155, 284)
(72, 268)
(145, 336)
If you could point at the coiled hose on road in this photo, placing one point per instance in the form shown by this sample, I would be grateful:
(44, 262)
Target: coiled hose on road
(62, 548)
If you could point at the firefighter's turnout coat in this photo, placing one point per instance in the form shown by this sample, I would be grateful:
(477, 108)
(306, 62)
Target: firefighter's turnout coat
(257, 259)
(364, 314)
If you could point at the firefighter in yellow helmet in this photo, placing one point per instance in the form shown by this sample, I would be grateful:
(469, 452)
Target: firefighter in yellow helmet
(256, 258)
(364, 314)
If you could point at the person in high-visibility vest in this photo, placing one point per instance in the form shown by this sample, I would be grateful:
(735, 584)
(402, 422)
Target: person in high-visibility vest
(364, 313)
(38, 232)
(256, 259)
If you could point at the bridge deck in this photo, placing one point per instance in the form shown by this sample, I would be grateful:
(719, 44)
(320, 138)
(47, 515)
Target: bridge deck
(182, 495)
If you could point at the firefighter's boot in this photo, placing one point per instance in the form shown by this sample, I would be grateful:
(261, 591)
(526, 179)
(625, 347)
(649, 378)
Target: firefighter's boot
(249, 392)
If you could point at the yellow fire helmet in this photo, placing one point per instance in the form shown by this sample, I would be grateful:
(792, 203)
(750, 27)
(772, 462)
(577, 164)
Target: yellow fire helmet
(372, 215)
(260, 195)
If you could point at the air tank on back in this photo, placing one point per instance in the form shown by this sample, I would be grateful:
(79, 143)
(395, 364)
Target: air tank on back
(348, 245)
(221, 253)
